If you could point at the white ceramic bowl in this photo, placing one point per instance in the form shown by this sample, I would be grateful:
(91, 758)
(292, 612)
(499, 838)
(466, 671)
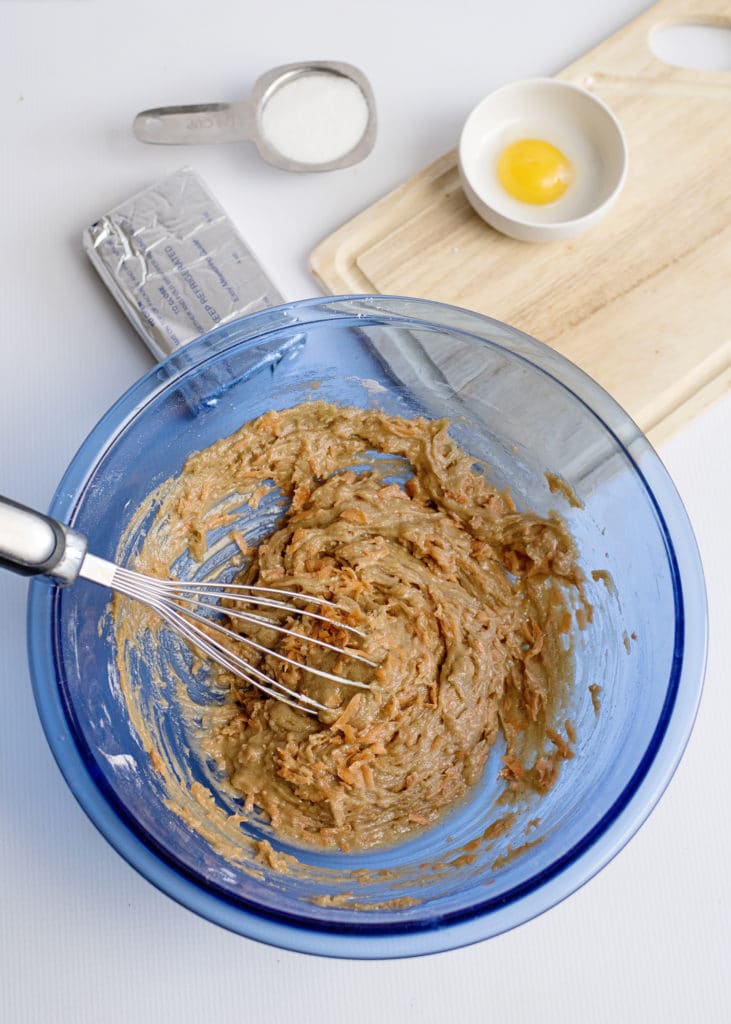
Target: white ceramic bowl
(571, 118)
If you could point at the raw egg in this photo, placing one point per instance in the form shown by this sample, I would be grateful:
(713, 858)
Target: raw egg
(534, 171)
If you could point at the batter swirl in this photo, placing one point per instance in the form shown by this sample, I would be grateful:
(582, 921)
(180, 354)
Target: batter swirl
(463, 599)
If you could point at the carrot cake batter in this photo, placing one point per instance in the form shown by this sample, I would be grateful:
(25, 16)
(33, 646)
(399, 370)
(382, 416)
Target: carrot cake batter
(465, 602)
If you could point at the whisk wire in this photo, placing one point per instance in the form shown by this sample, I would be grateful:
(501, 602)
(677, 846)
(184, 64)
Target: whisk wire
(223, 656)
(180, 590)
(260, 620)
(176, 603)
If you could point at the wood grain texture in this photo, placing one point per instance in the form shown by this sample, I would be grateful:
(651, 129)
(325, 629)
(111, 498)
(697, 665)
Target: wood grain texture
(642, 302)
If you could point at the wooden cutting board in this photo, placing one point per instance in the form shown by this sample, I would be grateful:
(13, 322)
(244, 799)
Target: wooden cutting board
(642, 302)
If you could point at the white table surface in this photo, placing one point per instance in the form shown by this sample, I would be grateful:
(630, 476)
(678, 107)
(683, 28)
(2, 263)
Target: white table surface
(82, 936)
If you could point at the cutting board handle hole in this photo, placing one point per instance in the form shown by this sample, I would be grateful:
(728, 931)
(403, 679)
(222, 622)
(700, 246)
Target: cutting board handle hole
(700, 47)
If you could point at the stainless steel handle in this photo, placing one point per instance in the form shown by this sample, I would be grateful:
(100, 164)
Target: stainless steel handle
(198, 123)
(33, 544)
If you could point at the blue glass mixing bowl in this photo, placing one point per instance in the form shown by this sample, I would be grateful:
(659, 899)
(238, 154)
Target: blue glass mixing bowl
(525, 411)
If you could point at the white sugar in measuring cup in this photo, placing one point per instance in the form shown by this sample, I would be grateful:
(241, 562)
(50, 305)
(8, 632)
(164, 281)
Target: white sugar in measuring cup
(311, 116)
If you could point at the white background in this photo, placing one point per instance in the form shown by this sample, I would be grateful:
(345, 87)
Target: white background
(82, 937)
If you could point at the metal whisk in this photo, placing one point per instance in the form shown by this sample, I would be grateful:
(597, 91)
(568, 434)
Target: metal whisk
(36, 545)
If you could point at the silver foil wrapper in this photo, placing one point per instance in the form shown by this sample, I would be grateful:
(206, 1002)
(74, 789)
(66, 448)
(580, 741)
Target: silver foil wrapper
(176, 264)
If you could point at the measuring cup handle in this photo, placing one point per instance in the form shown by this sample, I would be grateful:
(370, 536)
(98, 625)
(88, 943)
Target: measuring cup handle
(198, 123)
(36, 545)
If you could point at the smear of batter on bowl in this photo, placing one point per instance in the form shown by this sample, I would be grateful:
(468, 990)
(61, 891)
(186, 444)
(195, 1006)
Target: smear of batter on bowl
(465, 601)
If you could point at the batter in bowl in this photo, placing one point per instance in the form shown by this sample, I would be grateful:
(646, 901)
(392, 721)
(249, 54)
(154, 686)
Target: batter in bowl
(465, 601)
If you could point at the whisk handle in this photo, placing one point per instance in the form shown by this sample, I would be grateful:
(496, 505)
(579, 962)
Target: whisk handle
(33, 544)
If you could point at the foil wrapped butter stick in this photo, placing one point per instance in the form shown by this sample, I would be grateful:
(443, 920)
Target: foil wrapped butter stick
(176, 264)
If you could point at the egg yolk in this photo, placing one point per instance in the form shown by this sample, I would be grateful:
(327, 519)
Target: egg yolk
(534, 171)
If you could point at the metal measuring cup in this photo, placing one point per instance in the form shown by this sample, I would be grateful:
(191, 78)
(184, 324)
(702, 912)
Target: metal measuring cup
(247, 121)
